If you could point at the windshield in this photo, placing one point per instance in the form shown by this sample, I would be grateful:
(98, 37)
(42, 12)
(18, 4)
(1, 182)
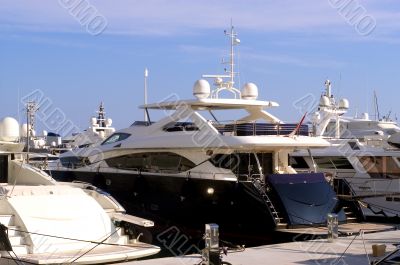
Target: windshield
(116, 137)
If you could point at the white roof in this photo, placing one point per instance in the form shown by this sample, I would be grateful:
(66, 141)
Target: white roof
(209, 104)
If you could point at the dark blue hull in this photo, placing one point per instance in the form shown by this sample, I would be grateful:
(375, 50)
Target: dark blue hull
(181, 206)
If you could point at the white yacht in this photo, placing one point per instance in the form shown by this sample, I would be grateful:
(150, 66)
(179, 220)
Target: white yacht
(100, 128)
(50, 144)
(363, 160)
(192, 168)
(46, 222)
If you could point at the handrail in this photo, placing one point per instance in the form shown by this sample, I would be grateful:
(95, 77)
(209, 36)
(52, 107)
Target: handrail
(253, 128)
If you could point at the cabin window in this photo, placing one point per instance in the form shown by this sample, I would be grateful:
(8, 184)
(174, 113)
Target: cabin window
(354, 146)
(166, 162)
(381, 165)
(227, 161)
(116, 137)
(298, 162)
(3, 169)
(244, 164)
(74, 161)
(333, 162)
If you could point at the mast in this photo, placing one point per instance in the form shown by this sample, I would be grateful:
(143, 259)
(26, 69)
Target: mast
(146, 75)
(219, 81)
(31, 109)
(233, 42)
(376, 107)
(101, 118)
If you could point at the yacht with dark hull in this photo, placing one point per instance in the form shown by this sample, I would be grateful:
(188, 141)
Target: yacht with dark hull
(192, 168)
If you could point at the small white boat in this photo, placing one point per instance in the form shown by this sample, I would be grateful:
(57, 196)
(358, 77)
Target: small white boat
(48, 222)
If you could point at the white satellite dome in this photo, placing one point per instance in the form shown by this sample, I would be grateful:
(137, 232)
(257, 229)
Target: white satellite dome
(344, 104)
(201, 89)
(9, 130)
(23, 130)
(316, 118)
(250, 91)
(324, 101)
(109, 122)
(93, 121)
(365, 116)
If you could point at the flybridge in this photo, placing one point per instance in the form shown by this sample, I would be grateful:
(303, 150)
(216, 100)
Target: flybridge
(208, 99)
(207, 103)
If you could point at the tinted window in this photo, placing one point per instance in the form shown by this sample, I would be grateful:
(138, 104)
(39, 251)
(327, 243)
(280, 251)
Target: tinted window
(152, 162)
(116, 137)
(380, 164)
(333, 162)
(3, 168)
(354, 146)
(74, 161)
(298, 162)
(244, 163)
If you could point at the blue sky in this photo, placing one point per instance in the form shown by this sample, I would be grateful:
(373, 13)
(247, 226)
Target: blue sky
(288, 48)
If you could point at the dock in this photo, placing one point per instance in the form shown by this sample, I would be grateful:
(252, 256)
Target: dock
(355, 250)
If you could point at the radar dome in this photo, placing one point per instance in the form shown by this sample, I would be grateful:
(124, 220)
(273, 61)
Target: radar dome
(365, 116)
(250, 91)
(201, 89)
(109, 122)
(23, 130)
(316, 118)
(93, 121)
(324, 102)
(9, 130)
(344, 104)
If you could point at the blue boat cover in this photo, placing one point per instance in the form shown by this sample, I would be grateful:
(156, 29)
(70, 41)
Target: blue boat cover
(307, 198)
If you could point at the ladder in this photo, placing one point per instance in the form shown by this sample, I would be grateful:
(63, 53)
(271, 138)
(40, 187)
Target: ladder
(260, 186)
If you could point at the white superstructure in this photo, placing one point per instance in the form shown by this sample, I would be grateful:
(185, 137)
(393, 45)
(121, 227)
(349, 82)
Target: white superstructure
(363, 152)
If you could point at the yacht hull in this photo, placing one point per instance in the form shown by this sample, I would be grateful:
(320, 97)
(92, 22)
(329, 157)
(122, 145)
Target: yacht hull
(181, 206)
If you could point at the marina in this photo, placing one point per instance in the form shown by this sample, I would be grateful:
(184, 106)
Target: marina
(279, 148)
(355, 250)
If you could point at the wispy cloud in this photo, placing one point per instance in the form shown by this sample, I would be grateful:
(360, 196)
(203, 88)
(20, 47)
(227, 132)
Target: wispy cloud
(180, 17)
(166, 17)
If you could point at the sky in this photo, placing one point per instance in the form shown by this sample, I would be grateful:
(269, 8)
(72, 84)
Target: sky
(78, 53)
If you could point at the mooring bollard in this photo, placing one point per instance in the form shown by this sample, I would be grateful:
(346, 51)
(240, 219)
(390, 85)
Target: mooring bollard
(333, 227)
(211, 254)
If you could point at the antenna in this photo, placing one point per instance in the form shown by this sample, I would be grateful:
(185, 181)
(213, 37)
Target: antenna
(218, 79)
(328, 87)
(101, 118)
(234, 41)
(146, 75)
(18, 105)
(31, 108)
(376, 107)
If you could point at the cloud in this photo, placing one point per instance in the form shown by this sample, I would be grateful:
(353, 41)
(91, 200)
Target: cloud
(182, 17)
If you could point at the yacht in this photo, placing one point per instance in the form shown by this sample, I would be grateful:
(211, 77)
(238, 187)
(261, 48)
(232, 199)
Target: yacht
(363, 160)
(192, 167)
(49, 145)
(47, 222)
(99, 129)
